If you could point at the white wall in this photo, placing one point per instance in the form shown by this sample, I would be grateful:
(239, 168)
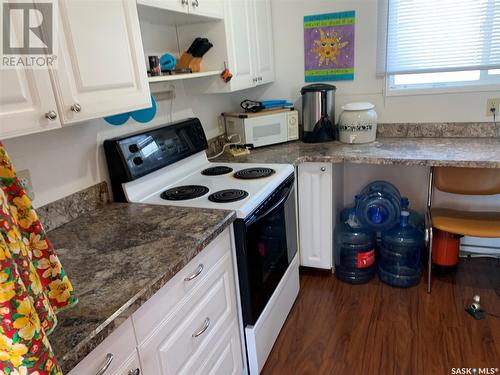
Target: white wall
(289, 57)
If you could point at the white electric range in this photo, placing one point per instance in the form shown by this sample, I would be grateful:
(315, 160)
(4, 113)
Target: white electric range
(168, 166)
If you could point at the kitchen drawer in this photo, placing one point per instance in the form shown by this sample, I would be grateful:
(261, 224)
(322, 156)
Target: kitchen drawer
(163, 302)
(222, 356)
(121, 344)
(172, 346)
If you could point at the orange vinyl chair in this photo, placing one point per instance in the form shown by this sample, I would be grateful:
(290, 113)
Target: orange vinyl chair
(464, 181)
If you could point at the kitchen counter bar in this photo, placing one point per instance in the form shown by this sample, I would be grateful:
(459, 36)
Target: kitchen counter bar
(445, 152)
(117, 257)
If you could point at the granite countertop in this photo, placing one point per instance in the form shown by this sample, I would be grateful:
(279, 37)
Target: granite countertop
(117, 257)
(446, 152)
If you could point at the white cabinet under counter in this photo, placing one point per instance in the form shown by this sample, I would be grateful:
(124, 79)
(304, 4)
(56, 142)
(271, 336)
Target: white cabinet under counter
(320, 194)
(193, 314)
(117, 355)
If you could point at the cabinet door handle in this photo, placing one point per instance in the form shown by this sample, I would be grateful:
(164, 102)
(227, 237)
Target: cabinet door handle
(51, 115)
(76, 107)
(260, 78)
(184, 2)
(135, 372)
(323, 169)
(195, 274)
(109, 359)
(195, 3)
(206, 324)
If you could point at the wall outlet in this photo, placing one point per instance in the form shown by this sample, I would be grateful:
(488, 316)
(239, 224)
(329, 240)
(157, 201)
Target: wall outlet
(163, 91)
(25, 180)
(493, 103)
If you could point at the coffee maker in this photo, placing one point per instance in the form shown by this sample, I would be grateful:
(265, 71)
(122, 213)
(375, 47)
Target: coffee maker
(318, 113)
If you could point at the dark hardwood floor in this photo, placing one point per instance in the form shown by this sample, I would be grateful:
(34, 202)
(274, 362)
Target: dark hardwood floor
(337, 328)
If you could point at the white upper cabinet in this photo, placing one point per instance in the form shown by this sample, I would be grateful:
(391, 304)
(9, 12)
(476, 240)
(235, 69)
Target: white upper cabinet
(25, 106)
(212, 9)
(100, 71)
(207, 8)
(181, 6)
(239, 45)
(249, 45)
(263, 39)
(101, 68)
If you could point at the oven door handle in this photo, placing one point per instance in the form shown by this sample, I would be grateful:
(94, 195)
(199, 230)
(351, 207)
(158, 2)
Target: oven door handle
(273, 208)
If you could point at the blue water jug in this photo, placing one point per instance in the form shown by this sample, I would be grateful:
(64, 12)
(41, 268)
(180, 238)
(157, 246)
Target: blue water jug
(400, 252)
(354, 252)
(379, 206)
(416, 220)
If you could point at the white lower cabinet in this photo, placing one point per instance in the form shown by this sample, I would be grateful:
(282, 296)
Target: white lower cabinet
(315, 195)
(190, 326)
(117, 355)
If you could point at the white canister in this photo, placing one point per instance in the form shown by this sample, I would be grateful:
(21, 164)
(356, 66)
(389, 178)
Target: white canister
(358, 123)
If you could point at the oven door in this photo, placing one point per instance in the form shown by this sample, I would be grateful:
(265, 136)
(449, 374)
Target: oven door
(266, 243)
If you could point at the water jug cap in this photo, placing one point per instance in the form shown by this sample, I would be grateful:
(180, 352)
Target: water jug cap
(403, 221)
(352, 221)
(376, 215)
(405, 202)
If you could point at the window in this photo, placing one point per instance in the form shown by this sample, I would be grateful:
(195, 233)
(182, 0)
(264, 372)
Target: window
(441, 44)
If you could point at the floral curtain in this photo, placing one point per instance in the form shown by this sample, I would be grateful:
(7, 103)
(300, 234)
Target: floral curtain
(33, 285)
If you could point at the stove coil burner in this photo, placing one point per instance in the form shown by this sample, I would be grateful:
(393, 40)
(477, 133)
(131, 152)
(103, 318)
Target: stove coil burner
(252, 173)
(181, 193)
(216, 171)
(227, 196)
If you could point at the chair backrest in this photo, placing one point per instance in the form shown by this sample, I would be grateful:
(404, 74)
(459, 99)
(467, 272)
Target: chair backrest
(467, 181)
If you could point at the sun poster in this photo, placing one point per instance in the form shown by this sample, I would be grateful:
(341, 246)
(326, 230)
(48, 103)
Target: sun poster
(329, 47)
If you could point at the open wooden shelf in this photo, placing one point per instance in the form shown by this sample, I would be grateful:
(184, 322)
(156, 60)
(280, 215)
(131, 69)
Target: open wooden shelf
(176, 77)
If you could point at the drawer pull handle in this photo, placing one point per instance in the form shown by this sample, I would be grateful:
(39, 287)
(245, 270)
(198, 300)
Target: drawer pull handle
(76, 107)
(195, 274)
(206, 324)
(51, 115)
(109, 359)
(135, 372)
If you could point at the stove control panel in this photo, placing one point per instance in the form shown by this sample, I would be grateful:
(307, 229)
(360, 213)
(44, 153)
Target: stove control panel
(136, 155)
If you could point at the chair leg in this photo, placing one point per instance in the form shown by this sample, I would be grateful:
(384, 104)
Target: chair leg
(429, 262)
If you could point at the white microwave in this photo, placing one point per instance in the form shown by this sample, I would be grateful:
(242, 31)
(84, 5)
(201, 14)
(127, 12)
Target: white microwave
(263, 128)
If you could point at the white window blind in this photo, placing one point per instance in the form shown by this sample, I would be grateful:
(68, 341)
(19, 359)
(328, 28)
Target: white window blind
(425, 36)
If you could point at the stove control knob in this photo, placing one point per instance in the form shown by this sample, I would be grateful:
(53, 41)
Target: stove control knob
(138, 160)
(133, 148)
